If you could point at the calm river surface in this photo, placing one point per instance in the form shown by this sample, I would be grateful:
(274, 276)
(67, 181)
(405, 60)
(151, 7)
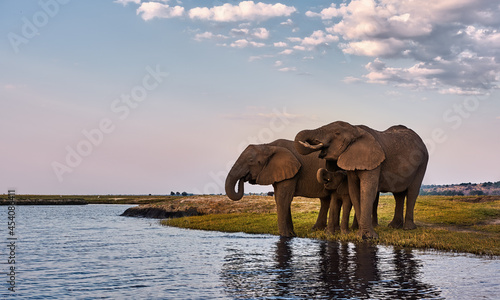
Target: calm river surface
(86, 252)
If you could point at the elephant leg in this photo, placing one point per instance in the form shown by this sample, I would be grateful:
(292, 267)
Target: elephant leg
(354, 194)
(355, 224)
(374, 212)
(283, 195)
(369, 181)
(411, 199)
(333, 219)
(397, 220)
(323, 214)
(346, 212)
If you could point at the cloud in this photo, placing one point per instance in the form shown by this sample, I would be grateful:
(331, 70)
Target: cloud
(286, 52)
(244, 11)
(350, 79)
(125, 2)
(245, 43)
(317, 38)
(209, 36)
(259, 57)
(455, 45)
(325, 14)
(387, 47)
(259, 33)
(280, 45)
(288, 69)
(151, 10)
(312, 42)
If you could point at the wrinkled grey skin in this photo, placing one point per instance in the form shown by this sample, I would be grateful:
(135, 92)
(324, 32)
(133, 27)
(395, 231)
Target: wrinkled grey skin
(337, 182)
(394, 160)
(290, 173)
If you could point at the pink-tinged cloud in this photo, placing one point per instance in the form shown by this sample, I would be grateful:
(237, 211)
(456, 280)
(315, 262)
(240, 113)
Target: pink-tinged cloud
(244, 11)
(151, 10)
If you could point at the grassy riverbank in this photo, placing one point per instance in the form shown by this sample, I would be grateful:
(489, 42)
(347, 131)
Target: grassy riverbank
(459, 224)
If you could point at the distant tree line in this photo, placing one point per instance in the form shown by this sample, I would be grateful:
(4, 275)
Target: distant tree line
(466, 188)
(180, 194)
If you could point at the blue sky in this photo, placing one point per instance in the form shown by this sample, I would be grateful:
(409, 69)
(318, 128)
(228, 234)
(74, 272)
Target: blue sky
(138, 97)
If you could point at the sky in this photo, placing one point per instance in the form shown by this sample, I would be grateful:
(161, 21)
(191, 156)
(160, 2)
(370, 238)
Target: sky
(149, 97)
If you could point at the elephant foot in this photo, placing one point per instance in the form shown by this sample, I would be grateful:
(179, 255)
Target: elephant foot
(331, 230)
(396, 224)
(409, 226)
(367, 234)
(374, 223)
(319, 226)
(344, 231)
(287, 232)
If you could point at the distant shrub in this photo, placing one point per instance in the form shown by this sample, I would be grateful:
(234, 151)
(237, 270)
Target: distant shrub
(476, 193)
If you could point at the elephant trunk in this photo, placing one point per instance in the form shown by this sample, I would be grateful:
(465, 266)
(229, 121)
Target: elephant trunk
(231, 180)
(303, 143)
(320, 176)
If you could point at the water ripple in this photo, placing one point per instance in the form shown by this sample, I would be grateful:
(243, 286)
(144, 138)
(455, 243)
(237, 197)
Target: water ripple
(82, 252)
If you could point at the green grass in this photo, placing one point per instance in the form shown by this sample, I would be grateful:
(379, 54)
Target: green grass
(456, 224)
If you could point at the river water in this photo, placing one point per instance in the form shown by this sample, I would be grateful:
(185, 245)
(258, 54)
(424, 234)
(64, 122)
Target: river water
(87, 252)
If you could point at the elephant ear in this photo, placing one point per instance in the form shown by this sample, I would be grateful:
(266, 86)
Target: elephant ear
(364, 153)
(282, 164)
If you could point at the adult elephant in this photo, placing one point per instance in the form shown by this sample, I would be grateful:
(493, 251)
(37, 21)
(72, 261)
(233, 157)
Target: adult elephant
(393, 160)
(290, 173)
(337, 183)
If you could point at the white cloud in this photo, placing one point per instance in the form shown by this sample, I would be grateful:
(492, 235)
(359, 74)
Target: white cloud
(295, 39)
(244, 11)
(245, 43)
(288, 69)
(286, 52)
(209, 36)
(455, 45)
(325, 14)
(261, 33)
(387, 47)
(151, 10)
(317, 38)
(280, 45)
(125, 2)
(258, 57)
(351, 79)
(240, 31)
(278, 63)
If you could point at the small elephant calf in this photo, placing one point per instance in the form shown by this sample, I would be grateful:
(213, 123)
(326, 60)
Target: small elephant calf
(337, 183)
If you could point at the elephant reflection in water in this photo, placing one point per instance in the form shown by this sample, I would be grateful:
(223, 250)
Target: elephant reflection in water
(312, 269)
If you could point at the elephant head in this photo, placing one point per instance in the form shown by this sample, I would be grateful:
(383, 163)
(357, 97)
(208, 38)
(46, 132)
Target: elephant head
(263, 165)
(353, 147)
(331, 180)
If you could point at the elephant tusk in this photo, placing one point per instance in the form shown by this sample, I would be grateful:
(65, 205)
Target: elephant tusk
(314, 147)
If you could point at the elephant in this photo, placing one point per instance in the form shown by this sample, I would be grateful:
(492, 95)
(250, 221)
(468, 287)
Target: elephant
(394, 160)
(337, 182)
(291, 174)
